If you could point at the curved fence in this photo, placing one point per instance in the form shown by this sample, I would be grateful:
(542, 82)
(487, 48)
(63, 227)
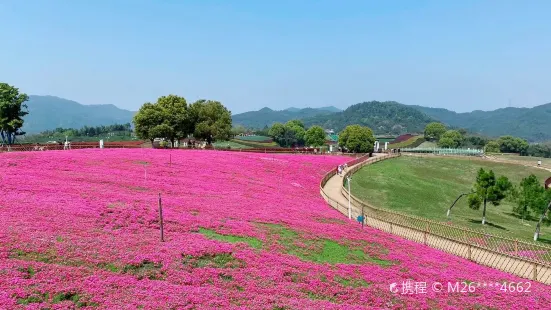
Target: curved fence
(526, 259)
(444, 151)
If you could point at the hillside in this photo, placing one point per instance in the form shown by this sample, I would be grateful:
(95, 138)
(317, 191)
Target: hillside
(267, 116)
(49, 112)
(329, 109)
(387, 117)
(532, 124)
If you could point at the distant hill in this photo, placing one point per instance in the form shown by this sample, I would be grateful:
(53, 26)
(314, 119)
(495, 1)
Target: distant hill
(387, 117)
(49, 112)
(328, 109)
(533, 124)
(267, 116)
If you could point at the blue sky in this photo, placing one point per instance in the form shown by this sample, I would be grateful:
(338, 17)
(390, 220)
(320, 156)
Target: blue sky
(461, 55)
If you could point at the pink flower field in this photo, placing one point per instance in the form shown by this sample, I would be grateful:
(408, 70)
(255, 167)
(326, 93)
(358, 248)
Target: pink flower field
(80, 229)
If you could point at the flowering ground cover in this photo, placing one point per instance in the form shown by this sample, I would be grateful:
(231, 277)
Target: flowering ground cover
(80, 229)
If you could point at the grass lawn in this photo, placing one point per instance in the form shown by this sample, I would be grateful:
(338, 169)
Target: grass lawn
(233, 145)
(526, 159)
(427, 145)
(427, 186)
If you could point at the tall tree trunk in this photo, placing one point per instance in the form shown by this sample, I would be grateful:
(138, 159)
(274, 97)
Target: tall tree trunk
(484, 213)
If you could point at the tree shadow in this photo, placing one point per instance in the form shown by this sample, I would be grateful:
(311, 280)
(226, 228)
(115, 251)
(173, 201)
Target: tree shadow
(544, 240)
(479, 221)
(527, 218)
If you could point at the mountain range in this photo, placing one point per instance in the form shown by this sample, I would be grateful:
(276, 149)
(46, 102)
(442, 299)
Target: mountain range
(389, 117)
(49, 112)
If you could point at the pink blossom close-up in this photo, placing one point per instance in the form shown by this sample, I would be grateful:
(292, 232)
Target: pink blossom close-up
(81, 229)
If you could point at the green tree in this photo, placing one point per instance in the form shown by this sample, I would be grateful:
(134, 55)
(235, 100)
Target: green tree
(357, 139)
(277, 132)
(295, 132)
(492, 147)
(451, 139)
(488, 189)
(434, 130)
(237, 130)
(510, 144)
(315, 136)
(210, 120)
(148, 116)
(530, 197)
(175, 116)
(12, 111)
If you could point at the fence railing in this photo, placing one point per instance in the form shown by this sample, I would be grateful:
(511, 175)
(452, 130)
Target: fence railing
(525, 259)
(444, 151)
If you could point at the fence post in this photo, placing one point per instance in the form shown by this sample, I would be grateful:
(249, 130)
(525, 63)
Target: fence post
(469, 253)
(391, 227)
(425, 234)
(534, 272)
(161, 219)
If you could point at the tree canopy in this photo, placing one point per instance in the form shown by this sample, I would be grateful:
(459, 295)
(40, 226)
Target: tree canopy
(451, 139)
(492, 147)
(210, 120)
(171, 118)
(531, 197)
(488, 189)
(357, 139)
(288, 134)
(315, 136)
(434, 130)
(510, 144)
(12, 111)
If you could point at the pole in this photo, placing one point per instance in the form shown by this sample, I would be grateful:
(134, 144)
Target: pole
(349, 207)
(363, 217)
(456, 200)
(161, 219)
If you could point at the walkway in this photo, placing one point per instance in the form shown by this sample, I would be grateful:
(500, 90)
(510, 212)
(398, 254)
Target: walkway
(333, 190)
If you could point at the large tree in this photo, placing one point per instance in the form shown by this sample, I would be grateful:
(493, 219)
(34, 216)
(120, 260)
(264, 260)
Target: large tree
(174, 111)
(295, 130)
(488, 189)
(510, 144)
(148, 117)
(491, 147)
(288, 134)
(211, 120)
(434, 130)
(357, 139)
(168, 118)
(314, 136)
(451, 139)
(12, 111)
(529, 197)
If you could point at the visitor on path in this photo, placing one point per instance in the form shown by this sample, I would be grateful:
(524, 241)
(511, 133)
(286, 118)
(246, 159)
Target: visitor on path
(339, 170)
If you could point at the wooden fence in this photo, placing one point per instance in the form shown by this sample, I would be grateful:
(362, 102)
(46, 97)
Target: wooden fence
(525, 259)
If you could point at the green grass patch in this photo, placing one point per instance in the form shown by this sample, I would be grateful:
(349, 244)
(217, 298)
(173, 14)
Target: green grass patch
(254, 138)
(211, 234)
(32, 256)
(29, 272)
(351, 282)
(254, 144)
(427, 186)
(218, 260)
(229, 144)
(145, 269)
(33, 299)
(319, 250)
